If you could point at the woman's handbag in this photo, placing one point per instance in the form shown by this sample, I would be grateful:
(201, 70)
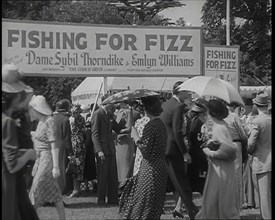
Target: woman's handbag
(212, 145)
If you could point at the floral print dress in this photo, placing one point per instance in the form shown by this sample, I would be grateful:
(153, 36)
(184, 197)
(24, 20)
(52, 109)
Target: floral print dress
(78, 145)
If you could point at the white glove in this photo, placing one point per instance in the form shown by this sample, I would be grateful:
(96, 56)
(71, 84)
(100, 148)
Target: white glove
(55, 172)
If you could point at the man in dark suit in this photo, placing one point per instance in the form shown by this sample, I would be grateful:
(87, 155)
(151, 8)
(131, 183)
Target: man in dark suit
(102, 125)
(177, 156)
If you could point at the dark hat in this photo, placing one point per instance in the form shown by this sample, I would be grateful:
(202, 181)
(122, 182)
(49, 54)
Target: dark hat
(197, 107)
(261, 99)
(175, 87)
(217, 109)
(152, 105)
(62, 105)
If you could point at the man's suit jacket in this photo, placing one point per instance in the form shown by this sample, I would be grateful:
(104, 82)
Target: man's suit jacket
(172, 117)
(102, 125)
(259, 143)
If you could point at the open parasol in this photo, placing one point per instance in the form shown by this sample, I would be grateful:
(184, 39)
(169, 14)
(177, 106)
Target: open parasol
(128, 95)
(210, 86)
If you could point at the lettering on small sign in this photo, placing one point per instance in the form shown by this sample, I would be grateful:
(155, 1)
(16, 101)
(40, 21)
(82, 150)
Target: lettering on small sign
(222, 62)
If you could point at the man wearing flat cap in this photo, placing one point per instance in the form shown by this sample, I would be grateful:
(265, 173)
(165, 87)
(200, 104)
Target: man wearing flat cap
(259, 146)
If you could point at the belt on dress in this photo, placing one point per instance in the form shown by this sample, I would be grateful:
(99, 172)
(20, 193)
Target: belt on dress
(36, 164)
(238, 140)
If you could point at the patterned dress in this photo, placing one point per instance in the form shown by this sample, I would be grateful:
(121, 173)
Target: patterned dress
(78, 145)
(44, 187)
(139, 125)
(144, 194)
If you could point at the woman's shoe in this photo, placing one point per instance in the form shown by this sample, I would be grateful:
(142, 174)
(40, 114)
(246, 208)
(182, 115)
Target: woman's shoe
(74, 194)
(175, 214)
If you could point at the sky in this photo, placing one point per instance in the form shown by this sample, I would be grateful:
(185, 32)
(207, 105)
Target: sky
(191, 12)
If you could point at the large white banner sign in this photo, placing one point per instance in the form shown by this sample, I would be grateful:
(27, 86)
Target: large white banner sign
(54, 49)
(222, 62)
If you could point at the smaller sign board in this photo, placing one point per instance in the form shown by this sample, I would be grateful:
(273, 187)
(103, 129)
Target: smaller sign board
(223, 62)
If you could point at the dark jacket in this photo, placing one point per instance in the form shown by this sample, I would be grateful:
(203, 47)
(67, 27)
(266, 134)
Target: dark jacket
(62, 131)
(172, 117)
(102, 125)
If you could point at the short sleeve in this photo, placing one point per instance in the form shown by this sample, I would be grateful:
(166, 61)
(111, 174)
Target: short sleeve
(140, 123)
(50, 129)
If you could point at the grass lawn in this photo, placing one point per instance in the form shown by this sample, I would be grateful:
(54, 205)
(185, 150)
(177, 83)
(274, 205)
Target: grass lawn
(85, 207)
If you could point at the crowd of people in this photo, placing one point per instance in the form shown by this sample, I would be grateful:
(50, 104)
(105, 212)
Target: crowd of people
(133, 153)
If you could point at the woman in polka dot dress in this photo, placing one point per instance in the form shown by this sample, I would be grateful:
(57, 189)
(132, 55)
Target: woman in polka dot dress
(144, 194)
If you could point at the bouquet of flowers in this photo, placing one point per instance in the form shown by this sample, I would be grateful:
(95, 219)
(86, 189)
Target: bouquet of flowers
(206, 136)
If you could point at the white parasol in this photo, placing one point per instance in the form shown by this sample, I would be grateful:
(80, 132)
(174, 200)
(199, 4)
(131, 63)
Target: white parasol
(210, 86)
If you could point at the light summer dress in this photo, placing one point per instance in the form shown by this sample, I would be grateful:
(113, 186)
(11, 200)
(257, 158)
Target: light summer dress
(44, 187)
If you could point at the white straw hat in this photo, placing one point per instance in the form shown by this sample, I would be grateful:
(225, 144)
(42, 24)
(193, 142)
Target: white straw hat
(39, 104)
(11, 79)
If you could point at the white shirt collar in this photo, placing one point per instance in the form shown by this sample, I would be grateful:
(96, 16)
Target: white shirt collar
(176, 98)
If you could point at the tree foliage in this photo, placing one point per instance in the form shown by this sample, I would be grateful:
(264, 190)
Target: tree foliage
(180, 22)
(92, 12)
(55, 88)
(250, 25)
(143, 12)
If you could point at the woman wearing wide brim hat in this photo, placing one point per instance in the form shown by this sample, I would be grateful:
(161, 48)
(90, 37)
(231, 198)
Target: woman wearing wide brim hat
(15, 200)
(148, 188)
(43, 189)
(12, 84)
(40, 105)
(221, 178)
